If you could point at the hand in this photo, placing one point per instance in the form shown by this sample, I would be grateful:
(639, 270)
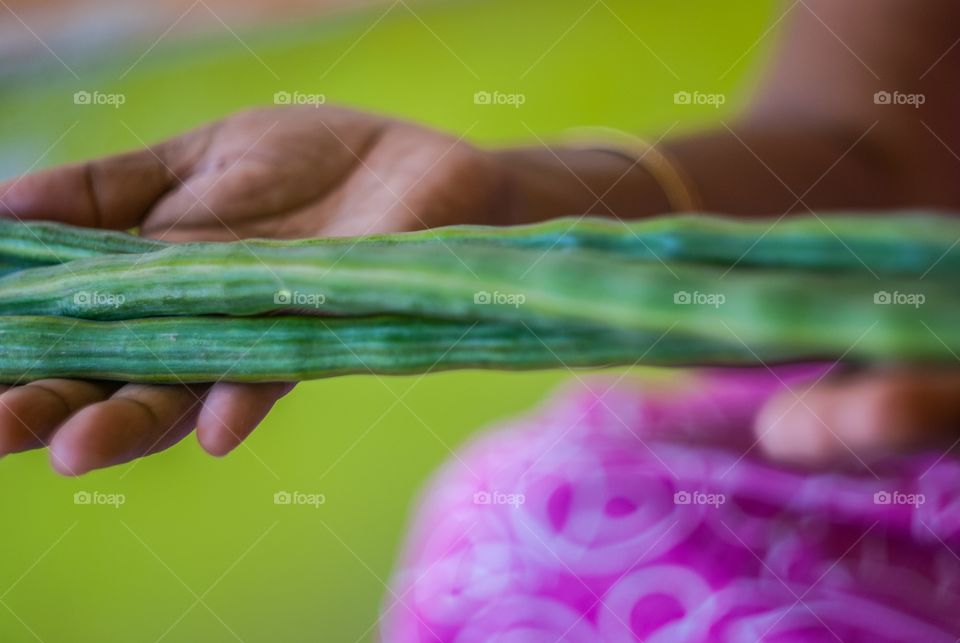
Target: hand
(852, 418)
(280, 173)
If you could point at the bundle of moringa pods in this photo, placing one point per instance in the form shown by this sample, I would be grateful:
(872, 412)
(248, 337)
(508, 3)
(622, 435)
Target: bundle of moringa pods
(576, 292)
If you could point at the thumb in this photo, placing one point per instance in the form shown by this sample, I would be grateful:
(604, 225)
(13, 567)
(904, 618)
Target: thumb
(110, 192)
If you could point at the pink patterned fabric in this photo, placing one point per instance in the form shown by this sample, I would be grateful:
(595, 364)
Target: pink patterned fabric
(628, 513)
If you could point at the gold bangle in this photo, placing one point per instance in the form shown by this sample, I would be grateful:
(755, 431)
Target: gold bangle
(673, 181)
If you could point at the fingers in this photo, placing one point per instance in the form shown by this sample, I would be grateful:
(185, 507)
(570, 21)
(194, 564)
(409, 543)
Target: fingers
(863, 415)
(112, 192)
(136, 421)
(232, 411)
(88, 428)
(30, 414)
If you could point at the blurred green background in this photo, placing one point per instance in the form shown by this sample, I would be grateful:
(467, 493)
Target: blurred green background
(199, 551)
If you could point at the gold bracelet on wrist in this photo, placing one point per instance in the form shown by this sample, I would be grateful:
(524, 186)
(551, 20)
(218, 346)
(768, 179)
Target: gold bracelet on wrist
(675, 184)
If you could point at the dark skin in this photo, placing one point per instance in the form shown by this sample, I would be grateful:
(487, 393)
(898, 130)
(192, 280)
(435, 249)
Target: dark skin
(812, 138)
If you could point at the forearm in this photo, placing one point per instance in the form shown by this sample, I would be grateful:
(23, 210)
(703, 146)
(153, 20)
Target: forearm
(812, 137)
(745, 170)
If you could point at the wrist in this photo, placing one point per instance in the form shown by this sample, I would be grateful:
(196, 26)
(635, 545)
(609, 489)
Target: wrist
(549, 182)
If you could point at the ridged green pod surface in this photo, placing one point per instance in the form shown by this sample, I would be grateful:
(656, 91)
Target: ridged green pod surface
(708, 290)
(771, 307)
(898, 243)
(286, 348)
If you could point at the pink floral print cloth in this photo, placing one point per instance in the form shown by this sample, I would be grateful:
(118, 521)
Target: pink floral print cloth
(646, 513)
